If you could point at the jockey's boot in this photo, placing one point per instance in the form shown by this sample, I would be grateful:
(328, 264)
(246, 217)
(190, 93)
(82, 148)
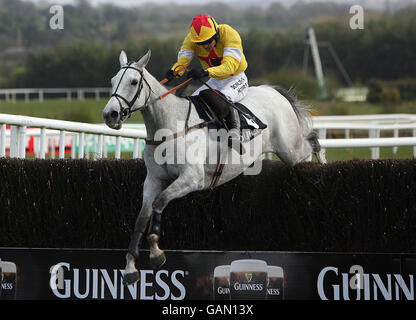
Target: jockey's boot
(234, 135)
(224, 110)
(216, 102)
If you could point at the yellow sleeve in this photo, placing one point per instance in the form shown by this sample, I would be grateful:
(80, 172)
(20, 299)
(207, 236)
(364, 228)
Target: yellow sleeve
(227, 68)
(233, 51)
(185, 55)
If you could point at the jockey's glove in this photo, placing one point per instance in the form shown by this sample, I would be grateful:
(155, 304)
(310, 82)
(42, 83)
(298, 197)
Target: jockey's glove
(197, 74)
(170, 75)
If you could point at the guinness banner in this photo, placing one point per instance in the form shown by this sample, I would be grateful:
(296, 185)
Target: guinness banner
(38, 274)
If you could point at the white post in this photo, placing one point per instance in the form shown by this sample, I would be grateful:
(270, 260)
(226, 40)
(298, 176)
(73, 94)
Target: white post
(3, 141)
(73, 145)
(136, 147)
(396, 135)
(81, 145)
(117, 152)
(87, 146)
(42, 148)
(99, 153)
(61, 144)
(14, 141)
(80, 94)
(22, 145)
(40, 95)
(322, 133)
(375, 151)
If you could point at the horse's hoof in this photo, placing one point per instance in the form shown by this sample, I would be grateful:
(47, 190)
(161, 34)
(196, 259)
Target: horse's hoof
(158, 261)
(130, 278)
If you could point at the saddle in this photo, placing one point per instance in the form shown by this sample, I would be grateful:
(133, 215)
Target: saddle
(250, 125)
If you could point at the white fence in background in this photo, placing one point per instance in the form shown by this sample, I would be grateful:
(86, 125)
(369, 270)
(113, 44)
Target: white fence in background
(372, 126)
(83, 139)
(38, 93)
(50, 130)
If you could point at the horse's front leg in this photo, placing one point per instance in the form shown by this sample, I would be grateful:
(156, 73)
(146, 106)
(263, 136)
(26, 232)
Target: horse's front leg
(191, 180)
(151, 188)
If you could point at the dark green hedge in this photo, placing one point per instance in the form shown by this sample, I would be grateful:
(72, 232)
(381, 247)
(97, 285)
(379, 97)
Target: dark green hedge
(351, 206)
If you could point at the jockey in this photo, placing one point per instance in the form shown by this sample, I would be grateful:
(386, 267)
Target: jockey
(220, 52)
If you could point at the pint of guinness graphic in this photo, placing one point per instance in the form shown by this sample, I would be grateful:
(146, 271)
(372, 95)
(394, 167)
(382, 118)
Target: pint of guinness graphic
(221, 288)
(275, 283)
(248, 279)
(8, 283)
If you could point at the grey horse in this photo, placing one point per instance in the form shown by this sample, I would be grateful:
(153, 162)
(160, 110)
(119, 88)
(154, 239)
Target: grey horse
(288, 134)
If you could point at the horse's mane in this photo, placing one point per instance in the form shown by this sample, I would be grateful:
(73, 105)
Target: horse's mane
(303, 112)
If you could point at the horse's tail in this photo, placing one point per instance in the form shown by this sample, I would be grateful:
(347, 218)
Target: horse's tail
(303, 113)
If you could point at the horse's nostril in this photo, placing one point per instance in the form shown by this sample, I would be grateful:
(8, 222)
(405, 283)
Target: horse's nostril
(114, 114)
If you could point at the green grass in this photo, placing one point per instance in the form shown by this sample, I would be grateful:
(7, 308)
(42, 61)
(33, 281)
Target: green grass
(365, 153)
(323, 108)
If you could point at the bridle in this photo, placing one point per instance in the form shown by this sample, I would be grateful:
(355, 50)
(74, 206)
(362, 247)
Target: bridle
(125, 113)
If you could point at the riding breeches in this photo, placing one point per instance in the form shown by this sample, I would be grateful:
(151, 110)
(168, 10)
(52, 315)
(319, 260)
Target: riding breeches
(234, 88)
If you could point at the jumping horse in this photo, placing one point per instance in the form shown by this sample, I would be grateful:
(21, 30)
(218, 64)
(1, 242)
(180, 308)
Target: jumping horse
(288, 134)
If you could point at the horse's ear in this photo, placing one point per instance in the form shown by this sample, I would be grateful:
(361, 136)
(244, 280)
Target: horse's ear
(144, 60)
(123, 58)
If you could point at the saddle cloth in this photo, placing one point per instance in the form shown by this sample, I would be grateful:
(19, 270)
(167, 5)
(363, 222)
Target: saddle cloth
(250, 125)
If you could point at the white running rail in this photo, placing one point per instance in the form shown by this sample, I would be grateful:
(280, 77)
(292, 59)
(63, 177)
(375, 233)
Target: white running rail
(48, 127)
(373, 125)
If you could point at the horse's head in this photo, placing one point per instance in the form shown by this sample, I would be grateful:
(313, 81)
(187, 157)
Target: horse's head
(127, 91)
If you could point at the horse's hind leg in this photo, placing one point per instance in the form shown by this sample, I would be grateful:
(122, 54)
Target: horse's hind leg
(319, 153)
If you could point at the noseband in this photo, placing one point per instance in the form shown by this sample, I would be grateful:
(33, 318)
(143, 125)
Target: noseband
(125, 113)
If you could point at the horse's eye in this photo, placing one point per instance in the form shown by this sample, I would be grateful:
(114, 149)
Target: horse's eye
(134, 82)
